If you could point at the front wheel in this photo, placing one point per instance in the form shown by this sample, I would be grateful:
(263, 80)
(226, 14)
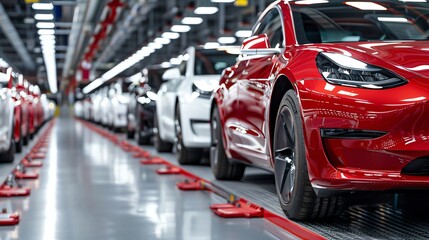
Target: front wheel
(160, 145)
(9, 155)
(296, 195)
(184, 154)
(221, 167)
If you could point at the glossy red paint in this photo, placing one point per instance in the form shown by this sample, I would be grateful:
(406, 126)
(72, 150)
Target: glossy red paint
(248, 90)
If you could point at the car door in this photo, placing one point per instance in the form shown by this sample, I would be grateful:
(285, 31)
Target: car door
(254, 91)
(166, 104)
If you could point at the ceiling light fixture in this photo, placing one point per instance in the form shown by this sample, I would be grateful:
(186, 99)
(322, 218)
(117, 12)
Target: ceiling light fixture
(210, 45)
(393, 19)
(45, 25)
(41, 16)
(155, 45)
(163, 41)
(371, 6)
(227, 40)
(309, 2)
(46, 32)
(243, 33)
(222, 1)
(192, 20)
(42, 6)
(180, 28)
(206, 10)
(171, 35)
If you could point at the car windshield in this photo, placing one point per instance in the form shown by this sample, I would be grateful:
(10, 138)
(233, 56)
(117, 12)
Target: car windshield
(212, 62)
(341, 21)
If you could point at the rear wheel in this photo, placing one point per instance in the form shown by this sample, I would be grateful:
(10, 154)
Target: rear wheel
(297, 197)
(160, 145)
(143, 137)
(9, 155)
(221, 167)
(130, 134)
(184, 154)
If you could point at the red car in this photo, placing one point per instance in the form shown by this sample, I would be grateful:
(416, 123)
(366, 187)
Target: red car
(333, 98)
(37, 108)
(21, 87)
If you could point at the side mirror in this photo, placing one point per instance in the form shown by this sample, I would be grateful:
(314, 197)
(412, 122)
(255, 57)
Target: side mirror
(258, 45)
(170, 74)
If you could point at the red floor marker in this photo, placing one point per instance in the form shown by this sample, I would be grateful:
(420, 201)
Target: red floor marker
(141, 154)
(154, 160)
(31, 163)
(9, 219)
(21, 172)
(11, 191)
(187, 185)
(240, 209)
(38, 156)
(169, 170)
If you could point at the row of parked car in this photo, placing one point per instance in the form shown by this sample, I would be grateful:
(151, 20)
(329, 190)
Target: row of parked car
(327, 119)
(23, 111)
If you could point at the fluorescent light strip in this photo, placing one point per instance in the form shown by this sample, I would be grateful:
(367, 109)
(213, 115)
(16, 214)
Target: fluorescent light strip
(42, 6)
(309, 2)
(243, 33)
(206, 10)
(180, 28)
(371, 6)
(393, 19)
(171, 35)
(192, 20)
(46, 32)
(226, 40)
(45, 25)
(40, 16)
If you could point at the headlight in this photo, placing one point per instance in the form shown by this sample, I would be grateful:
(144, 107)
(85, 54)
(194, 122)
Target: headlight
(343, 70)
(204, 90)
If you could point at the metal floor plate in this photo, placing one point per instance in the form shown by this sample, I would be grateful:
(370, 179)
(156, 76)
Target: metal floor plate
(90, 188)
(369, 215)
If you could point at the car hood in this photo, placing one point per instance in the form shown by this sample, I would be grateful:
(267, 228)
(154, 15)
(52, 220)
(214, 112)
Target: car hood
(409, 57)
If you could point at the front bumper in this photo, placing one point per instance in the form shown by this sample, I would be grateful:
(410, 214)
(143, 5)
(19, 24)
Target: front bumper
(365, 163)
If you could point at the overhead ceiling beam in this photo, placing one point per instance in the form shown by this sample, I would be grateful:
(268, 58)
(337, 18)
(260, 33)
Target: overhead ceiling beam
(14, 38)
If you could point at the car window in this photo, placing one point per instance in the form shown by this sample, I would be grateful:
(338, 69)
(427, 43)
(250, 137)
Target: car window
(183, 64)
(342, 22)
(210, 62)
(271, 25)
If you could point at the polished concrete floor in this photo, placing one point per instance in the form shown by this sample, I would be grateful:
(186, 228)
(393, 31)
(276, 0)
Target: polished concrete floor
(90, 189)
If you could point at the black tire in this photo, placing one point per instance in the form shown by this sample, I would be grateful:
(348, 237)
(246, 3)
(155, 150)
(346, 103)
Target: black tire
(221, 166)
(142, 139)
(26, 139)
(18, 145)
(9, 155)
(160, 145)
(296, 195)
(130, 134)
(184, 155)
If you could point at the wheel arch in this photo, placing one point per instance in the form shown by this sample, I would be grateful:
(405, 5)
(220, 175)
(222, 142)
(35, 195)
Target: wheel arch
(281, 86)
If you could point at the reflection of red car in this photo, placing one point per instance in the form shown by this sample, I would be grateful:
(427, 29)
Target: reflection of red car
(328, 118)
(18, 119)
(37, 107)
(21, 87)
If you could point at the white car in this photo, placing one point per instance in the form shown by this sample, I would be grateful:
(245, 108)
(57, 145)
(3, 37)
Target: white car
(96, 99)
(78, 109)
(183, 105)
(105, 107)
(7, 145)
(45, 106)
(119, 106)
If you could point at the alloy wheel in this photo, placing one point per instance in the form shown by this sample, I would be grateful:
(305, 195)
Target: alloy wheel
(284, 153)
